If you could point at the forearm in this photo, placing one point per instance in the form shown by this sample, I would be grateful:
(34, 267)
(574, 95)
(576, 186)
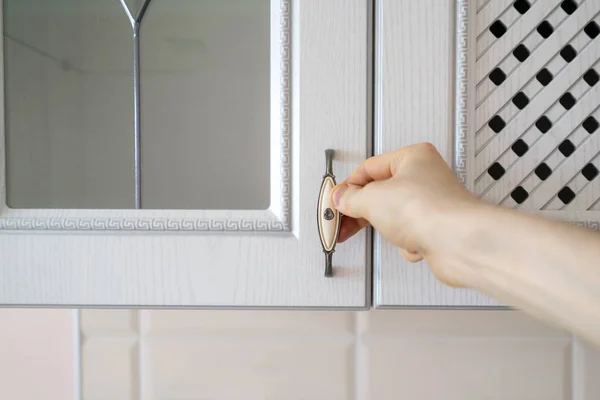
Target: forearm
(547, 268)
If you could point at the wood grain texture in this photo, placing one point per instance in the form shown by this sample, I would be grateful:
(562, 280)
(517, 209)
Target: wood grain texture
(546, 144)
(489, 12)
(414, 103)
(539, 154)
(543, 155)
(530, 67)
(520, 26)
(530, 42)
(487, 39)
(481, 3)
(231, 269)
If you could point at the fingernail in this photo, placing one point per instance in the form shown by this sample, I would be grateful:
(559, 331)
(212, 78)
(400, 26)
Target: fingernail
(337, 194)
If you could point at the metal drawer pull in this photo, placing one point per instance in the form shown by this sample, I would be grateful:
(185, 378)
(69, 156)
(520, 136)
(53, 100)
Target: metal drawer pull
(328, 218)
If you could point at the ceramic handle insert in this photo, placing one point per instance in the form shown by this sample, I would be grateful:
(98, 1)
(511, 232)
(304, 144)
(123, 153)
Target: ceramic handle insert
(328, 218)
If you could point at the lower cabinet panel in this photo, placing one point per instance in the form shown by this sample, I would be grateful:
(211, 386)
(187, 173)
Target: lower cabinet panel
(380, 354)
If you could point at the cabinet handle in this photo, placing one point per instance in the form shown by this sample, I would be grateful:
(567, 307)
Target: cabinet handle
(328, 218)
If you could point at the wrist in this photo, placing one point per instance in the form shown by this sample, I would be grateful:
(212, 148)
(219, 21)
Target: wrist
(451, 222)
(449, 235)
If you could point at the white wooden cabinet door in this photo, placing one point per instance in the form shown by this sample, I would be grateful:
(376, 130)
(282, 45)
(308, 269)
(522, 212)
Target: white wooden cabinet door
(414, 84)
(143, 254)
(507, 90)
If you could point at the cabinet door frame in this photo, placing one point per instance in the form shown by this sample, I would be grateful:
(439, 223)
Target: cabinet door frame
(275, 219)
(415, 104)
(150, 258)
(450, 89)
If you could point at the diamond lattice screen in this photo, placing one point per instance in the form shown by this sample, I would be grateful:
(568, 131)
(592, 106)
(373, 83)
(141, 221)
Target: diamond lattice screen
(534, 112)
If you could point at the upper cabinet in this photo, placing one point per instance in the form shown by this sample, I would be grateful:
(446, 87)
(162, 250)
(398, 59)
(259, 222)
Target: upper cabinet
(414, 88)
(508, 92)
(173, 153)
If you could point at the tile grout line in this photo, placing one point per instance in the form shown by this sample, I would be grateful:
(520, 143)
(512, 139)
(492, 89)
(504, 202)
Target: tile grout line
(78, 357)
(140, 358)
(356, 357)
(576, 391)
(361, 376)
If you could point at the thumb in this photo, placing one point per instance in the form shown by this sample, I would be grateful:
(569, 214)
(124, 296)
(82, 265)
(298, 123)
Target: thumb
(349, 200)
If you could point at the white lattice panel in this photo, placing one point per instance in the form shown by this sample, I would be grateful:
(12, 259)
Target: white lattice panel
(528, 102)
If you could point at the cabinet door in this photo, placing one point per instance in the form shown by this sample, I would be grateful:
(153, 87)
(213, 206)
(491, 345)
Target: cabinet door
(414, 64)
(508, 92)
(171, 153)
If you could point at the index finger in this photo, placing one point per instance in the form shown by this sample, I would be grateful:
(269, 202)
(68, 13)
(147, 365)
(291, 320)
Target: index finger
(384, 165)
(375, 168)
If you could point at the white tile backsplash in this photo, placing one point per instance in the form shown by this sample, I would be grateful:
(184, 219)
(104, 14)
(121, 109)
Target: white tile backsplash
(109, 323)
(459, 368)
(435, 354)
(38, 354)
(110, 368)
(379, 354)
(458, 324)
(242, 368)
(248, 323)
(586, 371)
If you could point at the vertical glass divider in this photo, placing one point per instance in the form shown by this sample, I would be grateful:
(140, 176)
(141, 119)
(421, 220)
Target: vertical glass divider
(137, 116)
(136, 23)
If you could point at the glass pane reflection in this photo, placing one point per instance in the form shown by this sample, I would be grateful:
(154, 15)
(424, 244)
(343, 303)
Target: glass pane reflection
(205, 104)
(68, 104)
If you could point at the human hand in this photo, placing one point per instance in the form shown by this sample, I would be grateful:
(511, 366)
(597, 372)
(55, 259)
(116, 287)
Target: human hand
(404, 195)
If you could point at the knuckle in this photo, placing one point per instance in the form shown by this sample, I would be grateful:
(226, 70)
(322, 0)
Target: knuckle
(428, 146)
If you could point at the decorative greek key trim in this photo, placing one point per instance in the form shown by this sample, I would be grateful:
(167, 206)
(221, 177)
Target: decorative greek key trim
(286, 111)
(139, 224)
(265, 221)
(462, 90)
(592, 224)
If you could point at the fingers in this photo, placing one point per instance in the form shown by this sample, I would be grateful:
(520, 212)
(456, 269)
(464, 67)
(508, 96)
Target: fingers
(346, 196)
(349, 200)
(350, 227)
(374, 169)
(384, 165)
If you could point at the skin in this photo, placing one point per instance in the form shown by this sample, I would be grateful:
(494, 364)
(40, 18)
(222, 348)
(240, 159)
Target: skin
(548, 269)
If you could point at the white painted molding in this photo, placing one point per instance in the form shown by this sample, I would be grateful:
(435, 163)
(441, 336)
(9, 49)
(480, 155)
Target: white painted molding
(277, 218)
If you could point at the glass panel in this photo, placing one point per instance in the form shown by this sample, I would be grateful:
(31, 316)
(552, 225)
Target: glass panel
(205, 104)
(69, 104)
(135, 6)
